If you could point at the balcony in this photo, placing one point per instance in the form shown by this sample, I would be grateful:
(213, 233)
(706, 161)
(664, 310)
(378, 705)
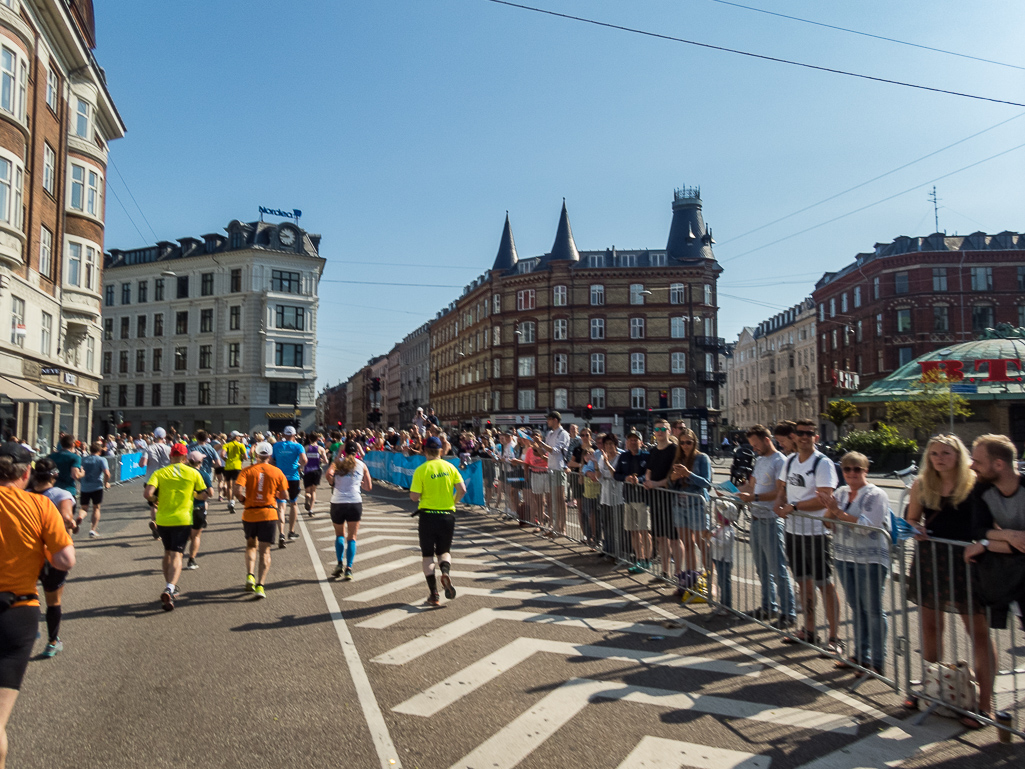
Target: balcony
(712, 377)
(710, 343)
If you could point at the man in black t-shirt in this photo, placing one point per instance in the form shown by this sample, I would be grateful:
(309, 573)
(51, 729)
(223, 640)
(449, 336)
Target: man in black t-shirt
(630, 468)
(660, 464)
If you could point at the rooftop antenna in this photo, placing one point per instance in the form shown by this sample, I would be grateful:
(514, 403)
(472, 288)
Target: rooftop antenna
(935, 208)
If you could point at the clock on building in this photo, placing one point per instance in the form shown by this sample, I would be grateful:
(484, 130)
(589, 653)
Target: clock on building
(287, 236)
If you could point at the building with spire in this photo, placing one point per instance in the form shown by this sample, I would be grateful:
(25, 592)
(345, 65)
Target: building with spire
(632, 333)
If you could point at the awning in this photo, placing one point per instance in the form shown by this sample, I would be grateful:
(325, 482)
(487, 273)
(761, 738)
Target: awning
(23, 391)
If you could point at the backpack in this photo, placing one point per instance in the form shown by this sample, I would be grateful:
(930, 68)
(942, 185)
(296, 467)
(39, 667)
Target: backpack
(743, 464)
(819, 456)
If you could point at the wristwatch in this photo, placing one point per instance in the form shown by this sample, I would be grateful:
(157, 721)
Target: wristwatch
(984, 543)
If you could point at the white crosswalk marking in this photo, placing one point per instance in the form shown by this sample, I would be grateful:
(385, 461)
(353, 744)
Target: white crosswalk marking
(418, 579)
(660, 753)
(404, 563)
(889, 747)
(458, 685)
(411, 650)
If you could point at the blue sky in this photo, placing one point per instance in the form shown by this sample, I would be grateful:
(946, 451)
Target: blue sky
(404, 130)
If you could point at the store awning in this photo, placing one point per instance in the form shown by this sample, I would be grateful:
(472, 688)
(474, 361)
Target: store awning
(23, 391)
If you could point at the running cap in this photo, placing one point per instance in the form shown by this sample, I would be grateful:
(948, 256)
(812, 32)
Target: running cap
(235, 433)
(391, 429)
(179, 450)
(160, 432)
(197, 456)
(263, 449)
(434, 442)
(17, 452)
(290, 430)
(634, 434)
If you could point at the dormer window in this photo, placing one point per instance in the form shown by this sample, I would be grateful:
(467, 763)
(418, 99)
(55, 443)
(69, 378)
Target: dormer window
(596, 260)
(236, 239)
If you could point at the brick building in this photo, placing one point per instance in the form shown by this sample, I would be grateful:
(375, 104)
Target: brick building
(331, 406)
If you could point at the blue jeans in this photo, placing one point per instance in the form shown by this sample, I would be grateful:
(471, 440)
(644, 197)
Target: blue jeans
(724, 574)
(863, 585)
(770, 559)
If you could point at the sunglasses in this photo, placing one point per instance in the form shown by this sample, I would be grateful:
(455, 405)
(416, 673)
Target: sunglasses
(686, 443)
(855, 469)
(660, 429)
(804, 433)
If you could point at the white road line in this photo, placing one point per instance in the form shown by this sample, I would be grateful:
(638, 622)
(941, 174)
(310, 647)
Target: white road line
(469, 679)
(890, 747)
(428, 642)
(386, 752)
(418, 579)
(660, 753)
(402, 563)
(510, 745)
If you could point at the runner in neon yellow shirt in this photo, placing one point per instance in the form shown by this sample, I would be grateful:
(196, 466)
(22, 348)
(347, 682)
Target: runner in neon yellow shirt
(436, 487)
(234, 451)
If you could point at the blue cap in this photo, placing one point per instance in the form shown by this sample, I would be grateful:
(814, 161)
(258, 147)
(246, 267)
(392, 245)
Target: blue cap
(434, 442)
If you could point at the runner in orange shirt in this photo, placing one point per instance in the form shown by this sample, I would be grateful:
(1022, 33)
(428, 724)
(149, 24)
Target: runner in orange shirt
(260, 486)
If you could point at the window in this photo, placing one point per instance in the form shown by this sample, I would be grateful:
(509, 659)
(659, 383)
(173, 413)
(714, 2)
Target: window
(108, 298)
(140, 326)
(140, 395)
(880, 361)
(236, 280)
(677, 293)
(122, 395)
(140, 361)
(49, 168)
(525, 299)
(833, 335)
(637, 363)
(155, 395)
(74, 262)
(126, 293)
(45, 333)
(1021, 278)
(92, 198)
(206, 355)
(679, 398)
(1021, 314)
(234, 355)
(81, 118)
(940, 318)
(233, 392)
(904, 355)
(982, 278)
(179, 393)
(597, 328)
(288, 355)
(596, 260)
(142, 292)
(158, 290)
(597, 295)
(206, 321)
(181, 322)
(183, 287)
(206, 284)
(900, 283)
(158, 324)
(637, 328)
(285, 282)
(903, 321)
(939, 278)
(637, 399)
(858, 331)
(181, 358)
(497, 301)
(525, 365)
(284, 393)
(108, 362)
(857, 296)
(90, 268)
(598, 397)
(560, 329)
(235, 318)
(105, 398)
(559, 296)
(527, 330)
(875, 288)
(597, 363)
(636, 293)
(158, 361)
(52, 89)
(496, 368)
(525, 399)
(678, 362)
(122, 362)
(108, 328)
(125, 331)
(496, 334)
(822, 312)
(656, 260)
(90, 353)
(10, 193)
(561, 363)
(8, 62)
(843, 302)
(982, 318)
(204, 394)
(879, 324)
(678, 327)
(290, 317)
(832, 307)
(561, 398)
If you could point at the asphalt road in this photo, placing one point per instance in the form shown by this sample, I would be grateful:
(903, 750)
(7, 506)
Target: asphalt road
(547, 657)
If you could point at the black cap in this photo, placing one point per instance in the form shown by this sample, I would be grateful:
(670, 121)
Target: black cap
(17, 452)
(634, 434)
(554, 415)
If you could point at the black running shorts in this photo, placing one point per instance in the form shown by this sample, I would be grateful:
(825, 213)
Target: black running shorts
(262, 531)
(312, 478)
(346, 512)
(231, 475)
(293, 490)
(52, 578)
(811, 557)
(199, 516)
(218, 471)
(436, 531)
(92, 498)
(175, 538)
(18, 627)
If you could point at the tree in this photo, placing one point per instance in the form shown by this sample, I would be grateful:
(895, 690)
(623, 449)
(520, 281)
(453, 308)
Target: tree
(840, 412)
(929, 404)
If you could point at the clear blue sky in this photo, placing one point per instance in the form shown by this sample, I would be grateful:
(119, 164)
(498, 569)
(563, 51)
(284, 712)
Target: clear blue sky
(404, 130)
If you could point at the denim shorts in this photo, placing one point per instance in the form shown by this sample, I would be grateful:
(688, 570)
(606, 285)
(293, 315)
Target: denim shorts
(691, 512)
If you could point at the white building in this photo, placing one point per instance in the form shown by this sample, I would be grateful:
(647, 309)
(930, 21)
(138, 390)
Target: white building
(218, 333)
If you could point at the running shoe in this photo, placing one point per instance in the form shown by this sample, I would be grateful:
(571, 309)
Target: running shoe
(57, 645)
(348, 574)
(635, 569)
(259, 592)
(153, 528)
(192, 565)
(446, 582)
(292, 535)
(281, 542)
(231, 507)
(339, 570)
(167, 599)
(250, 583)
(433, 600)
(93, 533)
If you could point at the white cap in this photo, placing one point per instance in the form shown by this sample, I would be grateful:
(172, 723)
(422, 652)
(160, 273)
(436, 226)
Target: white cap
(160, 432)
(289, 430)
(234, 433)
(263, 449)
(197, 456)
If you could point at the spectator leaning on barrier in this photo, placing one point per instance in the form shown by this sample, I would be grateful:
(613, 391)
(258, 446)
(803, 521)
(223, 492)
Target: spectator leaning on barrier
(692, 474)
(631, 466)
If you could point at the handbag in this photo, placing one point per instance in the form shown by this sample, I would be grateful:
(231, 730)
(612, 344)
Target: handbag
(952, 684)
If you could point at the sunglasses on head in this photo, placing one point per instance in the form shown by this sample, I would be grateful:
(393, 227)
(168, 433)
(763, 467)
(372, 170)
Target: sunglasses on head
(805, 433)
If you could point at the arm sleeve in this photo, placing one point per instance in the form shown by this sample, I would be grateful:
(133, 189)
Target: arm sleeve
(701, 475)
(982, 516)
(825, 474)
(55, 536)
(77, 462)
(417, 485)
(458, 478)
(619, 473)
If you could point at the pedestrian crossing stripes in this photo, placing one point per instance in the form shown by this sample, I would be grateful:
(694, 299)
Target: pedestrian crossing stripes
(491, 576)
(660, 753)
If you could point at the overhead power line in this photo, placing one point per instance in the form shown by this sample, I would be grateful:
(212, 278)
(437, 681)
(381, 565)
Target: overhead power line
(868, 34)
(129, 190)
(763, 57)
(118, 199)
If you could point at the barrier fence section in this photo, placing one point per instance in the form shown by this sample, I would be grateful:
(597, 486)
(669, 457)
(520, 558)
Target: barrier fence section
(397, 468)
(859, 594)
(127, 467)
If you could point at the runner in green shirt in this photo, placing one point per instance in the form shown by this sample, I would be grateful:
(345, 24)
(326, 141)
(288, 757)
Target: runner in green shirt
(233, 452)
(436, 488)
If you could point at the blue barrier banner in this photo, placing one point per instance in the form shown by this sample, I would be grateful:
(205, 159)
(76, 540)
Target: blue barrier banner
(130, 466)
(398, 469)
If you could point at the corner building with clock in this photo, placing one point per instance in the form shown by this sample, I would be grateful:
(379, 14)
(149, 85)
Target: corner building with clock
(632, 333)
(214, 333)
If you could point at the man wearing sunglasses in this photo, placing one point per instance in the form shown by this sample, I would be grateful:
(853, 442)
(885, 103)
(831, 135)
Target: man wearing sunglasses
(804, 475)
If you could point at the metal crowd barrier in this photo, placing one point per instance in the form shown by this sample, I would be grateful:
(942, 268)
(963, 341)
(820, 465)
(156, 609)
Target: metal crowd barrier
(865, 591)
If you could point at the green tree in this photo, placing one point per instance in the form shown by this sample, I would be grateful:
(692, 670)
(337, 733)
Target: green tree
(840, 412)
(928, 406)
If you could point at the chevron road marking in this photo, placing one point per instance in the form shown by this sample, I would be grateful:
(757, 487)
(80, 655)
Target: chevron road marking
(889, 747)
(660, 753)
(428, 642)
(510, 745)
(441, 695)
(401, 563)
(418, 579)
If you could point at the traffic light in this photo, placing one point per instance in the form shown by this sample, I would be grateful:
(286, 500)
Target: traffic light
(488, 423)
(588, 412)
(339, 422)
(375, 384)
(663, 399)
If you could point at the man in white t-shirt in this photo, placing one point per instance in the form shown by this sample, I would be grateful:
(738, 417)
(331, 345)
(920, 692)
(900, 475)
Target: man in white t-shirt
(154, 456)
(803, 475)
(556, 443)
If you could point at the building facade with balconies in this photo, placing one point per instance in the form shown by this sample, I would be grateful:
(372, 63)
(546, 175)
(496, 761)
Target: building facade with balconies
(217, 333)
(415, 374)
(56, 120)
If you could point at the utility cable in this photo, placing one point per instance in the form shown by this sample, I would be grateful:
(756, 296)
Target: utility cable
(118, 199)
(129, 189)
(763, 57)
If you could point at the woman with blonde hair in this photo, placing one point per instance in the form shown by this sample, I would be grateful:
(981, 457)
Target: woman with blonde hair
(348, 477)
(692, 472)
(940, 508)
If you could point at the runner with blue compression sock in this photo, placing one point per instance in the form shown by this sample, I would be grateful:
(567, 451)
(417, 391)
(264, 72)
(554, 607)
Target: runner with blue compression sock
(348, 477)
